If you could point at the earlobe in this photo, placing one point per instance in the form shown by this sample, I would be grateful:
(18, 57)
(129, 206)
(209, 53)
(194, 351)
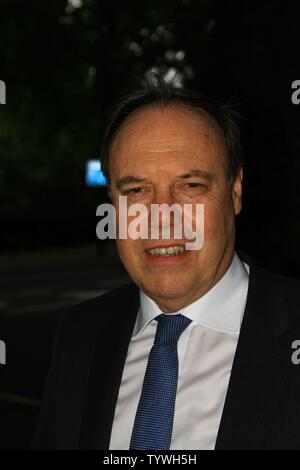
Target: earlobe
(237, 192)
(238, 205)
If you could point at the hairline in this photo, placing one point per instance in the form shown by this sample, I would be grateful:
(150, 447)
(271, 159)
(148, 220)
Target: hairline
(165, 104)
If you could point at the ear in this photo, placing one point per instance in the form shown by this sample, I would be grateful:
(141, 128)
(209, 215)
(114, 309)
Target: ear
(237, 190)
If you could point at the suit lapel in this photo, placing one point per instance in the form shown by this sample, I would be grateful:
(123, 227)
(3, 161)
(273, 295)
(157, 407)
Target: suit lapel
(260, 366)
(107, 368)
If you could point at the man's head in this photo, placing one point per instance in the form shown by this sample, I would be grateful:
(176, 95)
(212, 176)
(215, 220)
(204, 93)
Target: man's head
(168, 145)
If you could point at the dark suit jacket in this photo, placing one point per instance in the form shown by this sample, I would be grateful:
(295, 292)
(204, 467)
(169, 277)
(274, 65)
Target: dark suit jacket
(262, 406)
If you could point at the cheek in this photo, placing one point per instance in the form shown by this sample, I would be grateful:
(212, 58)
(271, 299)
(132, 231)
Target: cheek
(124, 247)
(215, 218)
(129, 252)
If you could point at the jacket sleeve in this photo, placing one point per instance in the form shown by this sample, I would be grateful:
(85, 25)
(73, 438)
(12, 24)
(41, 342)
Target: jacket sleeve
(45, 433)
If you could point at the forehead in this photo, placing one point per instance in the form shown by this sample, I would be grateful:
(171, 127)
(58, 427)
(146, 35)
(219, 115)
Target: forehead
(174, 134)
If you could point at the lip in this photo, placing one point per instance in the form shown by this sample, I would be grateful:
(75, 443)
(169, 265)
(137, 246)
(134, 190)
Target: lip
(166, 260)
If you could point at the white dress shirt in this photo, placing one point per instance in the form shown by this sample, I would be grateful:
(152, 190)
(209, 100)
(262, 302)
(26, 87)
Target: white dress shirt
(206, 351)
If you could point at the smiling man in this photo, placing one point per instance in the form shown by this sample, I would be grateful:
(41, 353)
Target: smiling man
(167, 155)
(196, 352)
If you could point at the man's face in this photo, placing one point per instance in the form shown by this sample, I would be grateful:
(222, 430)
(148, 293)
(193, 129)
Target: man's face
(175, 155)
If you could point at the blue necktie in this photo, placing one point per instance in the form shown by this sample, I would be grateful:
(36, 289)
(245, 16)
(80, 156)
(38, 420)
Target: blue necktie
(153, 425)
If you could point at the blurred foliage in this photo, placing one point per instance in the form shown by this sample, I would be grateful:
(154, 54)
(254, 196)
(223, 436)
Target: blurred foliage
(66, 61)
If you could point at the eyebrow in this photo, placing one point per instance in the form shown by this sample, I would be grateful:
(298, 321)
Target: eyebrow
(133, 179)
(204, 174)
(127, 180)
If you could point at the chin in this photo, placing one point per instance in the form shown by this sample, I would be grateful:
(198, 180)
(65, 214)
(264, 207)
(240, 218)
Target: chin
(167, 292)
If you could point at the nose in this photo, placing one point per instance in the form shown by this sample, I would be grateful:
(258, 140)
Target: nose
(164, 213)
(163, 196)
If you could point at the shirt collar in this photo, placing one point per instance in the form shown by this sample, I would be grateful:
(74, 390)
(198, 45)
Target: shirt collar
(220, 309)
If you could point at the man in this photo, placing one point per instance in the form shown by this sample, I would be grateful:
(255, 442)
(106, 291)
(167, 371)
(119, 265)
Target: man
(196, 353)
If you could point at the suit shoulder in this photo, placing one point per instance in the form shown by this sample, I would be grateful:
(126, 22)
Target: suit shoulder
(87, 316)
(290, 289)
(289, 285)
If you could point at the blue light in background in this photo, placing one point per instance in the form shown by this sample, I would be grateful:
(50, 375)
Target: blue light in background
(93, 174)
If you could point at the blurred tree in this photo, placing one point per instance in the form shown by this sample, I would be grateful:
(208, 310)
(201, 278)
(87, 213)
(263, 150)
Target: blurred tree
(66, 61)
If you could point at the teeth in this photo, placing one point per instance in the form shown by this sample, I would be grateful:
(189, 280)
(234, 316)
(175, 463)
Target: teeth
(174, 250)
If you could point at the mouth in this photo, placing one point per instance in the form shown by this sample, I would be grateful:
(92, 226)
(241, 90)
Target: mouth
(166, 251)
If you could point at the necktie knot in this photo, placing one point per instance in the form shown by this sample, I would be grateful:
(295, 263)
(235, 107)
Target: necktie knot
(170, 327)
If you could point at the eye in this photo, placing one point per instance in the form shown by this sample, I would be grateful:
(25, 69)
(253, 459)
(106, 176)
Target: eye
(194, 185)
(134, 190)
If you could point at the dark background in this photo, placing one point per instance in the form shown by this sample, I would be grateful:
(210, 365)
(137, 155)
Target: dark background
(65, 63)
